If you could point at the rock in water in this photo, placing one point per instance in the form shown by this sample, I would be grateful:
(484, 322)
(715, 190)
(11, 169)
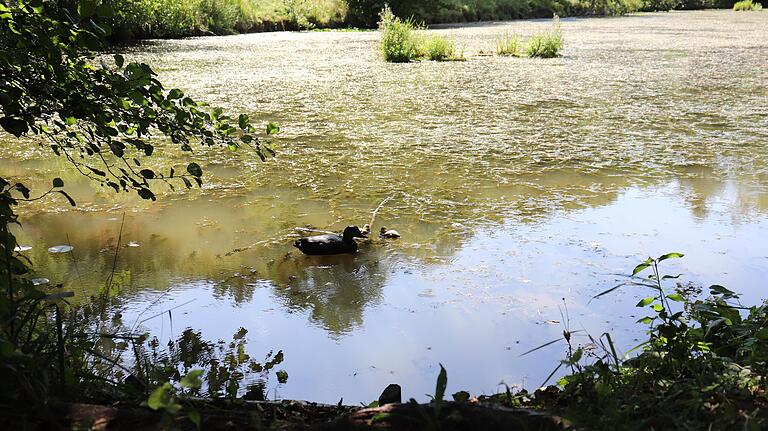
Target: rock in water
(60, 249)
(391, 395)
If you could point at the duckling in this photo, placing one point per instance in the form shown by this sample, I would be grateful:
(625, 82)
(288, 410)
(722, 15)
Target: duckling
(391, 233)
(366, 230)
(330, 244)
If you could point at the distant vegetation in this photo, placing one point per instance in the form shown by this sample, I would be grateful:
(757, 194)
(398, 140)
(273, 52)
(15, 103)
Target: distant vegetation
(746, 5)
(508, 45)
(401, 41)
(138, 19)
(546, 44)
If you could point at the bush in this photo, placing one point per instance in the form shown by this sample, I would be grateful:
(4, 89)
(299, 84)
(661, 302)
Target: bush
(547, 44)
(399, 42)
(747, 5)
(437, 48)
(508, 45)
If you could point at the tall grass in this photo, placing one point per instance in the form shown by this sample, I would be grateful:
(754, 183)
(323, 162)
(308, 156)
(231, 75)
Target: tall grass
(747, 5)
(438, 48)
(178, 18)
(401, 41)
(546, 44)
(508, 45)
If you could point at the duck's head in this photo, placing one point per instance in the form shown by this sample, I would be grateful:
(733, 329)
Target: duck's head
(352, 232)
(382, 230)
(366, 229)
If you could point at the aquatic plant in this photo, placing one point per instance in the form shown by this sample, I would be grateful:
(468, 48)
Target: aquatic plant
(747, 5)
(438, 48)
(546, 44)
(399, 41)
(508, 45)
(703, 365)
(56, 96)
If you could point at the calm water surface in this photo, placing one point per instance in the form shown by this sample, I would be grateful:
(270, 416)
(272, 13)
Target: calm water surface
(520, 187)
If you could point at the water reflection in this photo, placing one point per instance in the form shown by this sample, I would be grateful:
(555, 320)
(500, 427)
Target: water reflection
(515, 183)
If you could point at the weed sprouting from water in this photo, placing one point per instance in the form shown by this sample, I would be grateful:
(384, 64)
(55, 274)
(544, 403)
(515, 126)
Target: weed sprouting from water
(438, 48)
(399, 41)
(546, 44)
(747, 5)
(402, 43)
(509, 45)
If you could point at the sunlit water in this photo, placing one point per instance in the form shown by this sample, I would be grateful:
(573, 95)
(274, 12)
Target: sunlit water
(521, 188)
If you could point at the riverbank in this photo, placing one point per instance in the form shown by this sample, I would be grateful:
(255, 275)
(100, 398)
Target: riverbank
(164, 19)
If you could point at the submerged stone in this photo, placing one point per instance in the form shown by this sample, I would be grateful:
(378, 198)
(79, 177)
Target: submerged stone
(60, 249)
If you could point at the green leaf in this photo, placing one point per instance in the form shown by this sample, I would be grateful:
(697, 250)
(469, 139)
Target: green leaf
(242, 121)
(670, 256)
(105, 11)
(645, 320)
(192, 380)
(98, 172)
(88, 40)
(442, 383)
(195, 170)
(175, 94)
(86, 8)
(69, 199)
(160, 398)
(642, 266)
(282, 376)
(273, 129)
(646, 301)
(58, 182)
(676, 297)
(14, 126)
(119, 60)
(146, 194)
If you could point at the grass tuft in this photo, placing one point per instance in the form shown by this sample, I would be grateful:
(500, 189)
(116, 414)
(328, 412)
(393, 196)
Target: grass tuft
(402, 43)
(747, 5)
(508, 45)
(547, 44)
(399, 41)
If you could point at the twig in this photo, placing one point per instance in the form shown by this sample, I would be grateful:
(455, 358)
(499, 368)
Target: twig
(74, 261)
(166, 311)
(114, 261)
(303, 229)
(376, 211)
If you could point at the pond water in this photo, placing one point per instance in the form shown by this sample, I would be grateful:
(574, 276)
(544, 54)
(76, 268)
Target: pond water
(521, 188)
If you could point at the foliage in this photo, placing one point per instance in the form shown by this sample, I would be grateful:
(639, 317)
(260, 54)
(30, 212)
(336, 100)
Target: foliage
(704, 365)
(399, 42)
(438, 48)
(747, 5)
(176, 18)
(508, 45)
(546, 44)
(102, 118)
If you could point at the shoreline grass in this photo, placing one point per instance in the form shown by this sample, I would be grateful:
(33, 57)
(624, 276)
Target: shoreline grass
(547, 44)
(746, 6)
(508, 45)
(402, 41)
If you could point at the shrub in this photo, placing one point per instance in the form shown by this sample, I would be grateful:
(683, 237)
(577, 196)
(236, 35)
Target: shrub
(437, 48)
(399, 42)
(746, 5)
(547, 44)
(508, 45)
